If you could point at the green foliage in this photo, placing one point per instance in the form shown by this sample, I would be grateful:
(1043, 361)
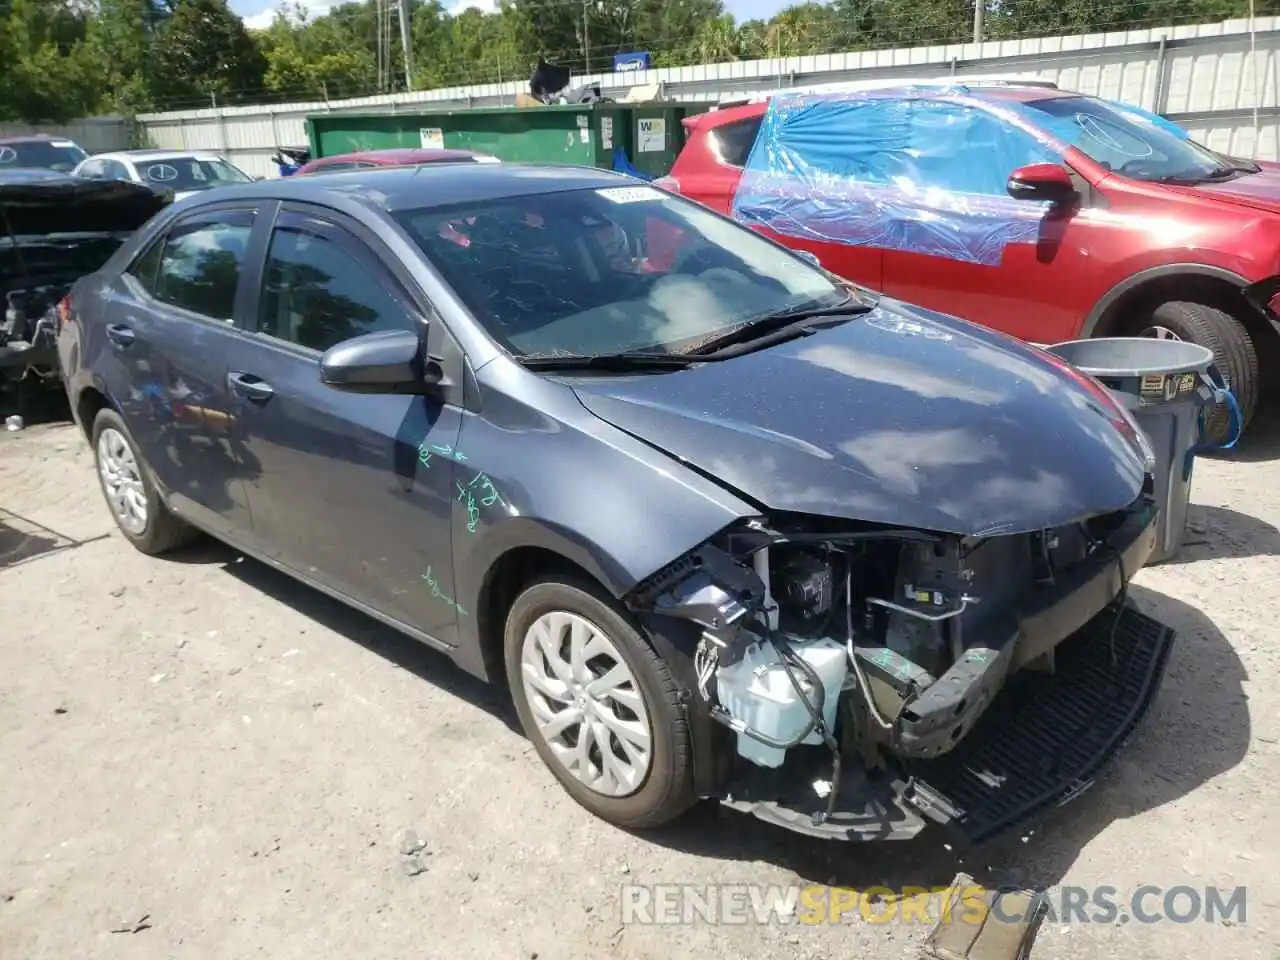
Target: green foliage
(60, 59)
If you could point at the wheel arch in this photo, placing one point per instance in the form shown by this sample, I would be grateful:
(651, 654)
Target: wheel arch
(1201, 282)
(88, 402)
(495, 570)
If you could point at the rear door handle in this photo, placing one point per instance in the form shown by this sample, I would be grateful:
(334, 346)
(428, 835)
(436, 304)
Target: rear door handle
(247, 385)
(120, 335)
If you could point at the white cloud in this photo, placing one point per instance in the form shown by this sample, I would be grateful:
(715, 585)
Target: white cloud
(266, 16)
(461, 6)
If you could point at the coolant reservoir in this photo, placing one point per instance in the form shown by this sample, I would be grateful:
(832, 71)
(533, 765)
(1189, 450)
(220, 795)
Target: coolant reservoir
(758, 692)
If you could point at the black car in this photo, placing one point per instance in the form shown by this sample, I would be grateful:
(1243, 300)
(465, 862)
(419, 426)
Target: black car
(727, 528)
(53, 229)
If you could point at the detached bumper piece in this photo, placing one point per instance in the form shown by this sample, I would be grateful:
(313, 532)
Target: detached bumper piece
(1045, 737)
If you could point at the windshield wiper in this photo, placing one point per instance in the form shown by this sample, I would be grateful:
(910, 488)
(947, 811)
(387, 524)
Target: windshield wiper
(606, 361)
(794, 321)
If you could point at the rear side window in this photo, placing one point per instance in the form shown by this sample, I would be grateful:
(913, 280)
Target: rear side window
(732, 142)
(318, 292)
(199, 263)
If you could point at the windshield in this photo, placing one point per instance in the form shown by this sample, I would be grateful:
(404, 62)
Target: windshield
(1125, 142)
(611, 270)
(60, 155)
(190, 173)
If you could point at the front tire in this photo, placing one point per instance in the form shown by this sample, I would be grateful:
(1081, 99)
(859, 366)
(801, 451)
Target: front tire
(131, 497)
(600, 706)
(1234, 355)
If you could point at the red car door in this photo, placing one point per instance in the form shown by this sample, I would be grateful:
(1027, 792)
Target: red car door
(1030, 274)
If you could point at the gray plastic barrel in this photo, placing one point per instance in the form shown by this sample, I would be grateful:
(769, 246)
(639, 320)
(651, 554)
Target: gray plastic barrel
(1165, 385)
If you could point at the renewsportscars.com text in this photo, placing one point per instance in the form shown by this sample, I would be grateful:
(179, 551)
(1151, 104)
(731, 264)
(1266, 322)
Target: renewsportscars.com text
(674, 904)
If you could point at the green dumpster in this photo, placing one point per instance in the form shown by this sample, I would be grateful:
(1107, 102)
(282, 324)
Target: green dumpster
(658, 135)
(585, 134)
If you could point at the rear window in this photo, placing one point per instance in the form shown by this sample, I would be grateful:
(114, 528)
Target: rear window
(60, 155)
(732, 142)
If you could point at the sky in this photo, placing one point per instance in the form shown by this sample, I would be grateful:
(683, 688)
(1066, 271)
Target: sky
(259, 13)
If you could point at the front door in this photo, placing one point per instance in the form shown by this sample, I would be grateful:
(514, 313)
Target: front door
(959, 244)
(169, 330)
(354, 492)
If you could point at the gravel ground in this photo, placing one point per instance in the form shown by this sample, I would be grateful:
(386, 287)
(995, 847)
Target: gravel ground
(199, 757)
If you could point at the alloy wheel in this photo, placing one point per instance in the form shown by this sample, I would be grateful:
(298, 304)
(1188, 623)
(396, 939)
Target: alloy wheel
(586, 703)
(122, 481)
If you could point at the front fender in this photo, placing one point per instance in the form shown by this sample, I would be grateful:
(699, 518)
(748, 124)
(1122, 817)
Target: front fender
(578, 487)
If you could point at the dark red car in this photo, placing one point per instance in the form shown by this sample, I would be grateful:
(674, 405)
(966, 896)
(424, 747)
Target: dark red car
(1038, 212)
(403, 157)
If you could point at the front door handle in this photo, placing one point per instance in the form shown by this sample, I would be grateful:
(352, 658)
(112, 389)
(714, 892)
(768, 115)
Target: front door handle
(120, 335)
(247, 385)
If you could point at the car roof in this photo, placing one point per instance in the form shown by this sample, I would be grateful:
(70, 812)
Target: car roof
(888, 83)
(155, 154)
(1019, 91)
(413, 187)
(35, 138)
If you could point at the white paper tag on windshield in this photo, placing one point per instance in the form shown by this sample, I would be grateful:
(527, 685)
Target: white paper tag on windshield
(630, 194)
(63, 143)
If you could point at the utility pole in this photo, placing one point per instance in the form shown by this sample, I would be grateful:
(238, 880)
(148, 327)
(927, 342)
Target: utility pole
(404, 42)
(586, 39)
(979, 8)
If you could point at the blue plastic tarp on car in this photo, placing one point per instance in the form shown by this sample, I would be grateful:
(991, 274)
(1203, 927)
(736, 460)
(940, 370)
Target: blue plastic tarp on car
(908, 169)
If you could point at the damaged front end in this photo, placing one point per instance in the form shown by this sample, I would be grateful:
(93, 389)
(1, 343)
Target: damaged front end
(54, 229)
(874, 679)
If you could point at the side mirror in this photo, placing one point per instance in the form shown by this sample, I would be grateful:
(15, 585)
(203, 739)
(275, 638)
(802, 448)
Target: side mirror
(390, 361)
(1041, 181)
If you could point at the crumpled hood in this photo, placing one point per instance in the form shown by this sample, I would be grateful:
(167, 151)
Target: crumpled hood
(901, 416)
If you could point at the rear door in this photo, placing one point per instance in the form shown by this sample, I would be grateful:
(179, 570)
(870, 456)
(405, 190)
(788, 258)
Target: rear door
(731, 145)
(354, 492)
(167, 328)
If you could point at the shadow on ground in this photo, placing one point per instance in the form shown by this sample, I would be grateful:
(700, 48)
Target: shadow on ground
(388, 643)
(1218, 533)
(1262, 440)
(23, 540)
(1197, 728)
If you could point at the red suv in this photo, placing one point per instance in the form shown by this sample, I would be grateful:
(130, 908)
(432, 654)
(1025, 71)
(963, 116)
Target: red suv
(1041, 213)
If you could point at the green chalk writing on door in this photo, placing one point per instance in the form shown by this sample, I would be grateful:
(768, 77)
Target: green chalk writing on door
(479, 492)
(426, 451)
(440, 594)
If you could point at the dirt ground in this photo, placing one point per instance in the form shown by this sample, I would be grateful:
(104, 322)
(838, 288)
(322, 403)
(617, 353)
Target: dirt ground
(200, 758)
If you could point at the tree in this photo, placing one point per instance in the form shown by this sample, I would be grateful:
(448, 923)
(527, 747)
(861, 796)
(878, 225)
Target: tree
(205, 54)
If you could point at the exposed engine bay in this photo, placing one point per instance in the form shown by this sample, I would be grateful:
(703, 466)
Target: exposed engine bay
(863, 653)
(54, 229)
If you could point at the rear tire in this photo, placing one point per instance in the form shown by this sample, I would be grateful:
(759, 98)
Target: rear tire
(1234, 355)
(125, 480)
(653, 785)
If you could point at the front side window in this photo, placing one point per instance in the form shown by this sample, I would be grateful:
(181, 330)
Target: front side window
(316, 293)
(597, 271)
(60, 155)
(1125, 142)
(190, 173)
(200, 265)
